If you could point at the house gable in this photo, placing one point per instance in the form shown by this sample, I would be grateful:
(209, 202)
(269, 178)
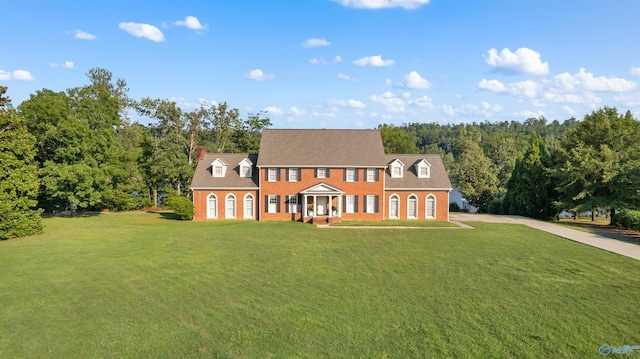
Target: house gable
(422, 168)
(218, 168)
(396, 168)
(245, 168)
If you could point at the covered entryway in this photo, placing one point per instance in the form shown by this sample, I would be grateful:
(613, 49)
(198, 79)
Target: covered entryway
(322, 202)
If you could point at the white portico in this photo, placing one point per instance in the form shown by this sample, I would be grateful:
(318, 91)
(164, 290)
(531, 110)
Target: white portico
(318, 200)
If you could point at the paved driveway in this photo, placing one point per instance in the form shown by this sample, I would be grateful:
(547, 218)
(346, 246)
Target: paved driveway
(594, 240)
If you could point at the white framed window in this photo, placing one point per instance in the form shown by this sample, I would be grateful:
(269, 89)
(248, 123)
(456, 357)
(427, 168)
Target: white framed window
(272, 174)
(371, 175)
(272, 203)
(212, 206)
(245, 171)
(371, 204)
(321, 172)
(423, 171)
(396, 171)
(394, 207)
(350, 175)
(230, 208)
(430, 204)
(248, 206)
(292, 204)
(217, 171)
(294, 174)
(412, 207)
(350, 203)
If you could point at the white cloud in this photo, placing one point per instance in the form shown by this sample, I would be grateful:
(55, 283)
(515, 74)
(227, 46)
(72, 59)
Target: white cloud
(526, 88)
(308, 43)
(529, 114)
(423, 101)
(630, 100)
(337, 59)
(191, 22)
(66, 65)
(487, 107)
(296, 111)
(258, 75)
(586, 81)
(382, 4)
(390, 101)
(415, 81)
(20, 75)
(635, 70)
(491, 85)
(316, 61)
(448, 109)
(406, 94)
(569, 110)
(79, 34)
(374, 61)
(347, 103)
(146, 31)
(274, 110)
(342, 76)
(524, 60)
(583, 98)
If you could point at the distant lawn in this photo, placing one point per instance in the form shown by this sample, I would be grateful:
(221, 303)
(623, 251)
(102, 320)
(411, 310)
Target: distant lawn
(138, 285)
(394, 223)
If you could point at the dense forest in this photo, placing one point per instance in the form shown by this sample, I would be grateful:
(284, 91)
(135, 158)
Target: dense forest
(79, 149)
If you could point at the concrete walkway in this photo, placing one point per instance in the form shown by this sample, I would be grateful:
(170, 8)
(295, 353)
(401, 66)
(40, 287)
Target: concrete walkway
(608, 244)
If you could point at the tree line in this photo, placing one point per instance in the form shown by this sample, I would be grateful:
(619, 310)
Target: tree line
(80, 149)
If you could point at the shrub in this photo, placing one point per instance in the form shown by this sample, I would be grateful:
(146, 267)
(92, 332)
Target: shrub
(495, 206)
(627, 219)
(182, 206)
(454, 207)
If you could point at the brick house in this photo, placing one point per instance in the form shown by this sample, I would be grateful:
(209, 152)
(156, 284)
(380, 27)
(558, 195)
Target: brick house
(320, 176)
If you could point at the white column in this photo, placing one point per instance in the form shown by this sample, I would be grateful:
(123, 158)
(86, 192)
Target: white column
(305, 212)
(329, 207)
(340, 206)
(315, 207)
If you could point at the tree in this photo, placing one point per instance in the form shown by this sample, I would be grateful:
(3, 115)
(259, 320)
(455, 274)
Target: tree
(397, 140)
(473, 172)
(247, 136)
(18, 175)
(224, 122)
(598, 163)
(530, 191)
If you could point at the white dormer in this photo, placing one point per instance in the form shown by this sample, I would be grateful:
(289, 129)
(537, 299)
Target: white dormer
(218, 168)
(396, 168)
(423, 168)
(245, 167)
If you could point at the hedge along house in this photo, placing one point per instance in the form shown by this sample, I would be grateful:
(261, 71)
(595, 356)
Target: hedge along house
(320, 176)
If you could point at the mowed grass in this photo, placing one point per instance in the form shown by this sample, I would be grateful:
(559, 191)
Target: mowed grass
(138, 285)
(394, 223)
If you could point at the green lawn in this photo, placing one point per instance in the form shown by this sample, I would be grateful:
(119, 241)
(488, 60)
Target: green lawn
(394, 223)
(138, 285)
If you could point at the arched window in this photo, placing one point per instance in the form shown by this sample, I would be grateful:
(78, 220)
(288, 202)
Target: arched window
(230, 209)
(248, 206)
(394, 207)
(212, 206)
(412, 207)
(430, 207)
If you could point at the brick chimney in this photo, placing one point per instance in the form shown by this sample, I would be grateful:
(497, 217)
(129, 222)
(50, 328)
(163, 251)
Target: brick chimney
(200, 152)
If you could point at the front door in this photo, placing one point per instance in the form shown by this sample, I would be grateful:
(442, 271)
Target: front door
(321, 206)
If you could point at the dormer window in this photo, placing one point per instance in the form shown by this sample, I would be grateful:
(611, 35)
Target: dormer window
(218, 168)
(423, 168)
(245, 167)
(396, 168)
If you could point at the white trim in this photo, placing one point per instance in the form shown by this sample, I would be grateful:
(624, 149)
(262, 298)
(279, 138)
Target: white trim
(435, 207)
(235, 206)
(397, 206)
(415, 208)
(209, 208)
(360, 165)
(417, 189)
(290, 172)
(275, 205)
(244, 206)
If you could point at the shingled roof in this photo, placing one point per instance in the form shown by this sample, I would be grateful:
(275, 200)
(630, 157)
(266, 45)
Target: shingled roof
(438, 175)
(326, 148)
(202, 178)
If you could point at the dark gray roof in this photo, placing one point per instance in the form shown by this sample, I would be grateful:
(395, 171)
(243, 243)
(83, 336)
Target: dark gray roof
(438, 175)
(202, 178)
(327, 148)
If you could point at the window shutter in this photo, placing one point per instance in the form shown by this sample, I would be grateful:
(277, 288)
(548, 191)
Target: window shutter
(326, 172)
(355, 204)
(278, 174)
(287, 173)
(365, 203)
(266, 203)
(315, 172)
(277, 203)
(344, 177)
(344, 204)
(375, 208)
(376, 176)
(355, 175)
(286, 204)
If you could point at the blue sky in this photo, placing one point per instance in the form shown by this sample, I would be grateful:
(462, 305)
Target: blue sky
(338, 63)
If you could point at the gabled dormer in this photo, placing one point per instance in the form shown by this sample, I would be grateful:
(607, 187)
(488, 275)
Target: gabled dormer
(245, 168)
(396, 168)
(423, 168)
(218, 168)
